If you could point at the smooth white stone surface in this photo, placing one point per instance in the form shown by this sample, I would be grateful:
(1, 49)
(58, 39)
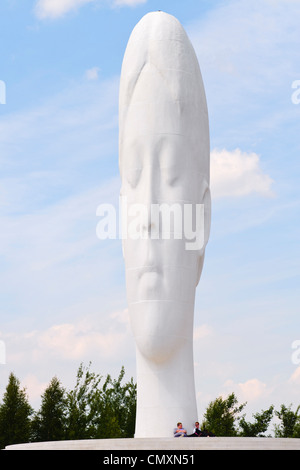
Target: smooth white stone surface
(164, 157)
(205, 443)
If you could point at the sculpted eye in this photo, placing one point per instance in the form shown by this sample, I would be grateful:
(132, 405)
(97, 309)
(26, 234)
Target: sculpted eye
(171, 164)
(171, 175)
(133, 176)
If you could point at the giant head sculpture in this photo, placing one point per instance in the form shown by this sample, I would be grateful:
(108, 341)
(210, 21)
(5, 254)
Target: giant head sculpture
(164, 167)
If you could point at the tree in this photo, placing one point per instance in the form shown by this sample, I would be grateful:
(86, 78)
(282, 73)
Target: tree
(82, 405)
(128, 420)
(117, 408)
(290, 422)
(95, 412)
(15, 414)
(221, 415)
(260, 425)
(49, 423)
(90, 410)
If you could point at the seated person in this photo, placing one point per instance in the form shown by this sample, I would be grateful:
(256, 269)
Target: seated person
(179, 431)
(197, 431)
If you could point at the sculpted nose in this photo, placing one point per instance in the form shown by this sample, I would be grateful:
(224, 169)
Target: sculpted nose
(150, 222)
(149, 184)
(150, 198)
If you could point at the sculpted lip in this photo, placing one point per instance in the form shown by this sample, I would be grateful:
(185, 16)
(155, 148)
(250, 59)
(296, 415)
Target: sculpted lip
(149, 269)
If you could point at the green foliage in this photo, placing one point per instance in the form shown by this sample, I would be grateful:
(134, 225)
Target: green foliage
(81, 404)
(15, 414)
(117, 408)
(290, 422)
(100, 407)
(49, 423)
(95, 408)
(95, 412)
(260, 425)
(221, 416)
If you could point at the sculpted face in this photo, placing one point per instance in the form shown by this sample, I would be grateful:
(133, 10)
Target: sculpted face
(164, 159)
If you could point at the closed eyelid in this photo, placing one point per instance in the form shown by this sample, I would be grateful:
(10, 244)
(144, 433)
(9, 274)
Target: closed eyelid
(170, 174)
(133, 175)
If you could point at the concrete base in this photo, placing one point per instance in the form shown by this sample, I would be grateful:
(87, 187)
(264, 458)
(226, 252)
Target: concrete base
(175, 444)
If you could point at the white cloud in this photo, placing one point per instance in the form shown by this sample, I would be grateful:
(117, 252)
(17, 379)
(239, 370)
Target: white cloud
(202, 331)
(92, 74)
(34, 388)
(57, 8)
(83, 340)
(36, 356)
(245, 41)
(49, 193)
(248, 391)
(295, 377)
(236, 173)
(88, 336)
(249, 55)
(62, 126)
(130, 3)
(252, 389)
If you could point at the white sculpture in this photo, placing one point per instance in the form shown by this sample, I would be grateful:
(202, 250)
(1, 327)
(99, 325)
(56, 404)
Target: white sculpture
(164, 159)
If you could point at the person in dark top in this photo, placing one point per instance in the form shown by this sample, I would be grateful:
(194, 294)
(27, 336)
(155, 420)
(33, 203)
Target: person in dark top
(197, 432)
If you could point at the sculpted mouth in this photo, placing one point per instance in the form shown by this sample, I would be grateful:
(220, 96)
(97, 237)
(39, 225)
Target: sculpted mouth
(149, 270)
(150, 276)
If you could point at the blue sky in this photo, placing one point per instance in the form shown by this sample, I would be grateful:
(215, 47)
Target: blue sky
(62, 290)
